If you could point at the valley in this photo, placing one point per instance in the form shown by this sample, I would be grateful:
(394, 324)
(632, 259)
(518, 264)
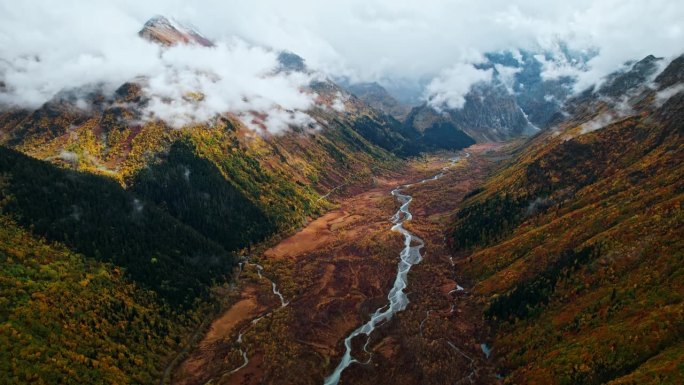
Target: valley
(478, 206)
(335, 273)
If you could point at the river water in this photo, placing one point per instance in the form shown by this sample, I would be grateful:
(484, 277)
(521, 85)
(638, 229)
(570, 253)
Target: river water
(397, 299)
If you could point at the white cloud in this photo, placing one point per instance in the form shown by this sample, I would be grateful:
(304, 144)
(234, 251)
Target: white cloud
(662, 96)
(388, 39)
(394, 41)
(507, 75)
(619, 109)
(626, 30)
(197, 83)
(558, 67)
(49, 51)
(597, 123)
(448, 90)
(338, 104)
(69, 156)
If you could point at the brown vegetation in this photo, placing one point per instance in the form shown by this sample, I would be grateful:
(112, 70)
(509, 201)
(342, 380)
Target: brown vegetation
(339, 269)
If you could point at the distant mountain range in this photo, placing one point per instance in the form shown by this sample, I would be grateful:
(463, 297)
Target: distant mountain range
(576, 243)
(517, 102)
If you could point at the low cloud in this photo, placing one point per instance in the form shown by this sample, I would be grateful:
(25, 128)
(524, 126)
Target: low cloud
(598, 123)
(196, 83)
(339, 103)
(559, 66)
(69, 156)
(184, 83)
(619, 109)
(422, 47)
(507, 76)
(662, 96)
(448, 90)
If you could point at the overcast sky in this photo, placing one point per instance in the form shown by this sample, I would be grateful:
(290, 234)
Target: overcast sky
(80, 42)
(398, 38)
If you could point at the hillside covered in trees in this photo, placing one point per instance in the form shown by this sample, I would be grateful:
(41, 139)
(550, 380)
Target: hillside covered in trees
(67, 318)
(576, 246)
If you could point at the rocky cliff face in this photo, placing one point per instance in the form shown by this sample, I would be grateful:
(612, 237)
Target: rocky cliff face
(621, 83)
(490, 113)
(540, 97)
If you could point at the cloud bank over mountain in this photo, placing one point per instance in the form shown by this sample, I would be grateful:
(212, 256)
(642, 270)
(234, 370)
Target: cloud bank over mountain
(45, 48)
(449, 88)
(45, 51)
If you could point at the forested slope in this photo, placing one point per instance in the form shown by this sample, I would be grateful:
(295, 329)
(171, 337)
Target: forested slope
(154, 216)
(576, 247)
(68, 319)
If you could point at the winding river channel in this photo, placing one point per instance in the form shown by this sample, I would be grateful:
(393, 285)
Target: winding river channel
(409, 256)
